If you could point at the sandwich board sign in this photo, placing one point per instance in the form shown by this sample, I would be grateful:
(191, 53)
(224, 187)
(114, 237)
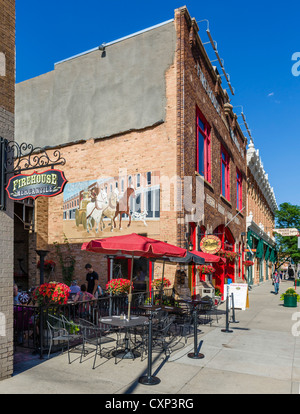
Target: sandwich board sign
(240, 295)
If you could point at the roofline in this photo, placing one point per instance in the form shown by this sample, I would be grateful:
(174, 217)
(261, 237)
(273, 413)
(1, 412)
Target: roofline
(116, 41)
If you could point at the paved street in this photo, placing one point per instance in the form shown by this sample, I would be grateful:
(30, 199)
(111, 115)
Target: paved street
(260, 356)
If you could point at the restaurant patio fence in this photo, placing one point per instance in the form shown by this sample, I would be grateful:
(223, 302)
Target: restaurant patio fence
(30, 322)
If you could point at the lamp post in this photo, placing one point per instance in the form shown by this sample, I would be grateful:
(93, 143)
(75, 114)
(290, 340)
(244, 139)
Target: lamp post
(42, 254)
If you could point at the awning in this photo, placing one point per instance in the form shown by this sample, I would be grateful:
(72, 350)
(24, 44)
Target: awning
(273, 256)
(267, 254)
(209, 258)
(260, 249)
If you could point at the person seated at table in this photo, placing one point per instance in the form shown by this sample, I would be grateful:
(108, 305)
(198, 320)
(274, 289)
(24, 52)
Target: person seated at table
(140, 279)
(23, 318)
(84, 296)
(16, 295)
(74, 289)
(140, 275)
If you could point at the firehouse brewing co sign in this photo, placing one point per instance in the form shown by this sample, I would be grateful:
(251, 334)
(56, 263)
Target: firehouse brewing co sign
(210, 244)
(46, 184)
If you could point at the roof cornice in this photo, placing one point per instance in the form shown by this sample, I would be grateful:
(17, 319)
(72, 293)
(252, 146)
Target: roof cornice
(256, 167)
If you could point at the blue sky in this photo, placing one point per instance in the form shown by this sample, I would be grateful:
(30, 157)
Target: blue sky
(256, 39)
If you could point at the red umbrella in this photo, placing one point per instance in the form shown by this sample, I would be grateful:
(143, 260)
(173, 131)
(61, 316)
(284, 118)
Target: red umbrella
(134, 245)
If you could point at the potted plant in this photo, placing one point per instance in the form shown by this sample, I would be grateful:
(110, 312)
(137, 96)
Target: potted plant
(157, 283)
(227, 254)
(206, 269)
(49, 267)
(51, 293)
(290, 298)
(118, 287)
(248, 263)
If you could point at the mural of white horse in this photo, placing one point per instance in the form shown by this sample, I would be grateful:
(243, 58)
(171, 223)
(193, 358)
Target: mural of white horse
(110, 210)
(94, 210)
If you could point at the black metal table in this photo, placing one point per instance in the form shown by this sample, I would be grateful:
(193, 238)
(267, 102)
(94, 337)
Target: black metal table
(127, 352)
(194, 304)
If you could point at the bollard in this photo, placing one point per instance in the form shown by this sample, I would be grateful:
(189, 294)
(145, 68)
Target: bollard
(149, 379)
(233, 310)
(227, 314)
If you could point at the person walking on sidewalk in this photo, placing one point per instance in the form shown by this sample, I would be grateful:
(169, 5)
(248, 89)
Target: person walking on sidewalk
(276, 281)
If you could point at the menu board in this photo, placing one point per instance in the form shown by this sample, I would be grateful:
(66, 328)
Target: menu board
(240, 295)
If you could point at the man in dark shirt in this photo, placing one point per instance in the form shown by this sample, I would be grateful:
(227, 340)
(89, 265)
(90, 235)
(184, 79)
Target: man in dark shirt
(92, 279)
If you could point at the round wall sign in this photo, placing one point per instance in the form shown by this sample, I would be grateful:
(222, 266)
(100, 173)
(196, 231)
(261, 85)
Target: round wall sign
(210, 244)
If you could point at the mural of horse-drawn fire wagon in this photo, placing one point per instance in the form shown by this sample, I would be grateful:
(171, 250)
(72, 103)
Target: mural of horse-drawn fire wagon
(111, 204)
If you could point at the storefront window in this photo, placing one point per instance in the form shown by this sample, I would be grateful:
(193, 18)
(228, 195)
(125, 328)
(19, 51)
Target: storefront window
(225, 178)
(239, 190)
(203, 147)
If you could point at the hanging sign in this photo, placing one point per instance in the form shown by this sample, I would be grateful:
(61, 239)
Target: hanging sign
(210, 244)
(287, 232)
(45, 184)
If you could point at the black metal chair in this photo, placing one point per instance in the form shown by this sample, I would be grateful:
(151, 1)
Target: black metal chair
(163, 335)
(93, 337)
(63, 331)
(204, 310)
(184, 323)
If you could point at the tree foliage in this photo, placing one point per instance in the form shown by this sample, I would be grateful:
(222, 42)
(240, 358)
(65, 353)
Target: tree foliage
(288, 216)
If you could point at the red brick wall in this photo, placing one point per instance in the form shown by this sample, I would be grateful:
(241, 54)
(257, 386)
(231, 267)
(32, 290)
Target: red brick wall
(191, 94)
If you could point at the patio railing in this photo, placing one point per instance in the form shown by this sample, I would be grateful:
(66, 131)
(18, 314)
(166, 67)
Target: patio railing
(30, 322)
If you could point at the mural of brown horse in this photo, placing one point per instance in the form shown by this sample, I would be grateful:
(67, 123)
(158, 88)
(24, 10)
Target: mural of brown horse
(123, 207)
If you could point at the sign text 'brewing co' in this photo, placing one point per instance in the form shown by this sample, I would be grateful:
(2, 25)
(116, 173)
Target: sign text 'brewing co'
(45, 184)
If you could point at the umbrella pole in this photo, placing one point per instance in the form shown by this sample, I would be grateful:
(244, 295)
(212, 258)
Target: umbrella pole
(162, 283)
(152, 279)
(130, 289)
(111, 265)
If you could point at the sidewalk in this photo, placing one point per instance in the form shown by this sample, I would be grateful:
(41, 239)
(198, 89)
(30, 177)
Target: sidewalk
(260, 356)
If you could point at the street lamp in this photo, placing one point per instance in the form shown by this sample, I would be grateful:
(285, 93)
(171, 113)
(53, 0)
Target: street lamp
(42, 254)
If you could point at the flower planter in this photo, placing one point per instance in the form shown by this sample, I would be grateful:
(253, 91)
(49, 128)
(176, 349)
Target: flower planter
(290, 301)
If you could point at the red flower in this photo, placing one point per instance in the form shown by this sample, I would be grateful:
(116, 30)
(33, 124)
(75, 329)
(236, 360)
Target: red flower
(248, 263)
(206, 269)
(118, 286)
(48, 265)
(51, 293)
(157, 283)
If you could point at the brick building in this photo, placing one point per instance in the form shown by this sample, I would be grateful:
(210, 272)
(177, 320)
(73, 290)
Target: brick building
(7, 102)
(146, 119)
(261, 207)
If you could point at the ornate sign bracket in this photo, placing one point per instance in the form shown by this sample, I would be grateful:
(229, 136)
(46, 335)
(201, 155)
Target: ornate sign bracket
(16, 158)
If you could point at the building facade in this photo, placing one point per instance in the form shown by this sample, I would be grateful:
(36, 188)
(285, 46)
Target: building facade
(261, 207)
(7, 102)
(146, 126)
(214, 149)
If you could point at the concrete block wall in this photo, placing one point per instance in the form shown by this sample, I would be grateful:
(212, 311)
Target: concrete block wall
(7, 84)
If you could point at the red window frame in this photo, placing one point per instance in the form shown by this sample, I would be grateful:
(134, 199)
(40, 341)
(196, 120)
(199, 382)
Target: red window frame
(203, 131)
(239, 190)
(225, 174)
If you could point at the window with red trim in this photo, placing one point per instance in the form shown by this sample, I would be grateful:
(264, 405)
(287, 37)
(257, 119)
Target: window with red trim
(239, 190)
(225, 177)
(203, 164)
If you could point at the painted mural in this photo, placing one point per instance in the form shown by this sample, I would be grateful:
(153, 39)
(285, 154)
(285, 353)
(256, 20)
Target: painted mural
(112, 205)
